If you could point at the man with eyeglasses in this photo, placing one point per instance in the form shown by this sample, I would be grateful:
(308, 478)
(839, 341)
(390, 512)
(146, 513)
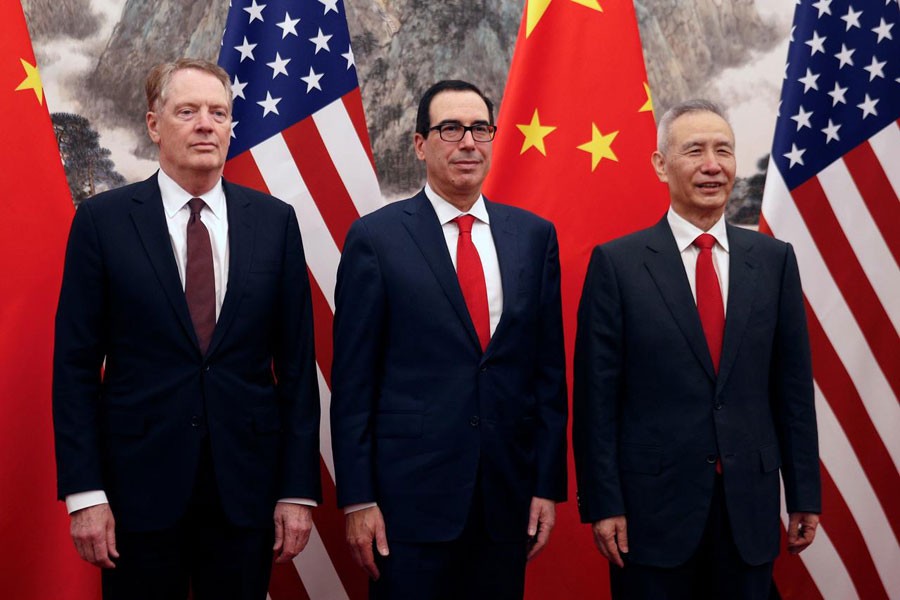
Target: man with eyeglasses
(449, 408)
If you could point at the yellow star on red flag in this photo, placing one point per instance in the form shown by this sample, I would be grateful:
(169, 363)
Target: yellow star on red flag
(599, 146)
(534, 134)
(535, 10)
(32, 80)
(648, 105)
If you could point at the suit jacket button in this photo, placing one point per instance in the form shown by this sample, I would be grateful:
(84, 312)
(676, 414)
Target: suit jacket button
(718, 406)
(711, 459)
(195, 421)
(474, 421)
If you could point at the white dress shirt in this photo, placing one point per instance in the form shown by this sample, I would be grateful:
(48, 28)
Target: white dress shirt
(215, 217)
(685, 233)
(484, 243)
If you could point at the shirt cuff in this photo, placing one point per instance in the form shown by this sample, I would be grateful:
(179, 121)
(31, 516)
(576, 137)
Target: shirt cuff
(303, 501)
(361, 506)
(85, 500)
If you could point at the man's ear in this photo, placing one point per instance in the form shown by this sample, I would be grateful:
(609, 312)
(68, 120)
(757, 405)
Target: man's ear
(152, 126)
(419, 145)
(659, 165)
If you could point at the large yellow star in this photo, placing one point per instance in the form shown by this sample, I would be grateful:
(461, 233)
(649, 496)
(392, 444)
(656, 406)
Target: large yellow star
(32, 80)
(536, 9)
(648, 105)
(534, 134)
(600, 146)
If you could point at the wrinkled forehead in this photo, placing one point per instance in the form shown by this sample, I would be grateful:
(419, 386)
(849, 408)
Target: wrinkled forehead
(458, 105)
(700, 128)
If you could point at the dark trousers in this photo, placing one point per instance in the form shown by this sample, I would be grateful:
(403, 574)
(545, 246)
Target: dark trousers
(203, 554)
(472, 567)
(715, 571)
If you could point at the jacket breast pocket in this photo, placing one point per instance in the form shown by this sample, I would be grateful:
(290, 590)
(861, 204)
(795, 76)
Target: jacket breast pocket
(399, 424)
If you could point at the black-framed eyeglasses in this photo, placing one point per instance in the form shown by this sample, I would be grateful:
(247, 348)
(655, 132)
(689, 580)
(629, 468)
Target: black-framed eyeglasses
(454, 132)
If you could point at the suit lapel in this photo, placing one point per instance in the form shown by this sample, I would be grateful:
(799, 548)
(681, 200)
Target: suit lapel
(664, 263)
(240, 250)
(149, 219)
(741, 285)
(506, 241)
(423, 226)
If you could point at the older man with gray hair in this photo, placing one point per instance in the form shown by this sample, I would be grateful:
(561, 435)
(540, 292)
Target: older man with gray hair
(693, 388)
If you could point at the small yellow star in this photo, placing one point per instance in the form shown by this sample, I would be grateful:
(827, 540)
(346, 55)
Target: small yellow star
(534, 134)
(648, 105)
(600, 146)
(536, 9)
(32, 80)
(595, 4)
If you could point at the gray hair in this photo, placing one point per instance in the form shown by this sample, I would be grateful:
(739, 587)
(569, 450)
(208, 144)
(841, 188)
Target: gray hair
(160, 75)
(683, 108)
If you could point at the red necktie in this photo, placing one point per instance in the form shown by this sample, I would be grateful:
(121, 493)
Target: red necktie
(471, 279)
(709, 304)
(199, 280)
(709, 298)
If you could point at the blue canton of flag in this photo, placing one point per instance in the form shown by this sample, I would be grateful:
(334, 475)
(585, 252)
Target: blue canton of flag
(287, 61)
(842, 83)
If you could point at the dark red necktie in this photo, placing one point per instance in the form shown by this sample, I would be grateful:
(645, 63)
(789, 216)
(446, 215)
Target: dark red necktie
(709, 298)
(199, 279)
(471, 279)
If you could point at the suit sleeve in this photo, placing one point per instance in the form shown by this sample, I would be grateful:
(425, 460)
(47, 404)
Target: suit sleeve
(597, 389)
(359, 321)
(294, 365)
(550, 388)
(79, 350)
(793, 396)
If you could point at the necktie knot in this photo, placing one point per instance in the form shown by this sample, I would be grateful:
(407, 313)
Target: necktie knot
(705, 241)
(196, 205)
(465, 222)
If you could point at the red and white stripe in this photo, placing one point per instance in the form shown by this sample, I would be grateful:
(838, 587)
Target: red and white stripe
(323, 167)
(844, 225)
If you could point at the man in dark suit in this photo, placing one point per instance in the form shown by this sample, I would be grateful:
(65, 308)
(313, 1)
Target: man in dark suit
(693, 387)
(449, 404)
(185, 399)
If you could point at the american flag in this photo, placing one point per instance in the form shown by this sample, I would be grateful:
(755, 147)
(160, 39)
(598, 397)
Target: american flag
(832, 191)
(300, 134)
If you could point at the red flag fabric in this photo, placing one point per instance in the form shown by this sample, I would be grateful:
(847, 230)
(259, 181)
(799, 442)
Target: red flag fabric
(37, 555)
(300, 134)
(832, 191)
(575, 135)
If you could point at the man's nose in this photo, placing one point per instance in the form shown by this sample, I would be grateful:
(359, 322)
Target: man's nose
(204, 119)
(468, 139)
(711, 163)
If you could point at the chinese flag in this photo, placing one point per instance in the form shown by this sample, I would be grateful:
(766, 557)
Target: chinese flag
(37, 556)
(575, 135)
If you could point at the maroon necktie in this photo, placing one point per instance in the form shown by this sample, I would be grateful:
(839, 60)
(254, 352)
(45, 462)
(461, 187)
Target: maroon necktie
(199, 280)
(471, 280)
(709, 298)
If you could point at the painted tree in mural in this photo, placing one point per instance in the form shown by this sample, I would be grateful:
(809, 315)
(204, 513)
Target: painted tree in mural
(88, 167)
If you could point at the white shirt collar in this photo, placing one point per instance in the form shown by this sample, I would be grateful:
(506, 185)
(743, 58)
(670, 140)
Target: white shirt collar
(686, 232)
(446, 212)
(174, 197)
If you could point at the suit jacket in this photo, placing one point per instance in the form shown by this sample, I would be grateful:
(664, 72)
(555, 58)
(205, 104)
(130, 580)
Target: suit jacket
(419, 413)
(650, 416)
(138, 433)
